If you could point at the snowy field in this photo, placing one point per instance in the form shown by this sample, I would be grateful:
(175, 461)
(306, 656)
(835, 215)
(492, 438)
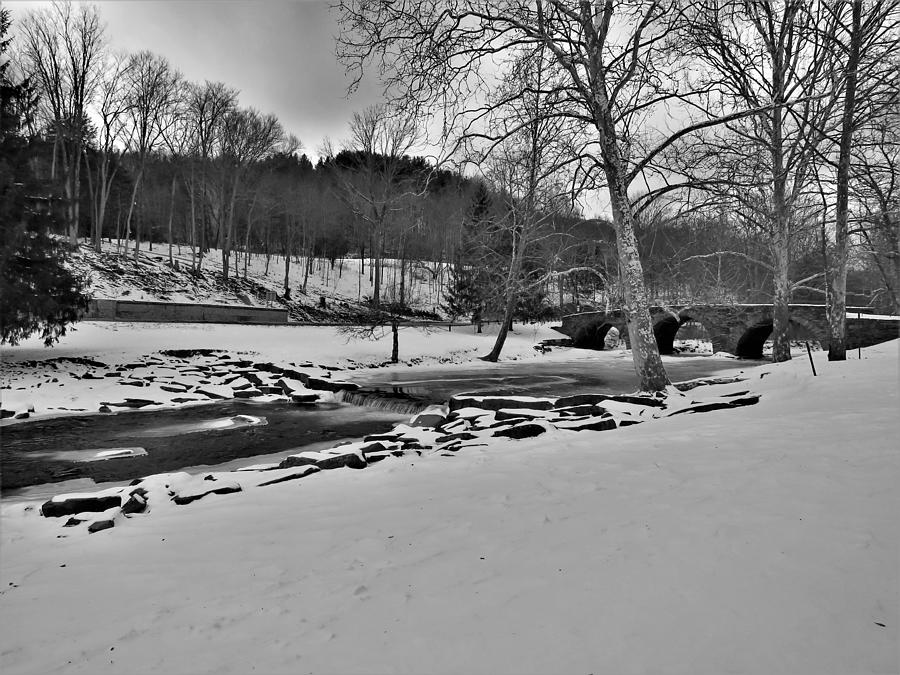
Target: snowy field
(762, 539)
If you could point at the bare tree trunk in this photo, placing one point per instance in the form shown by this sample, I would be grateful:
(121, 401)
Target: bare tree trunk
(837, 307)
(229, 230)
(376, 292)
(781, 312)
(402, 275)
(287, 276)
(131, 204)
(505, 326)
(171, 216)
(395, 342)
(307, 253)
(193, 224)
(76, 195)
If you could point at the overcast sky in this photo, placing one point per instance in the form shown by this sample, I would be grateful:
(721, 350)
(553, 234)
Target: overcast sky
(278, 53)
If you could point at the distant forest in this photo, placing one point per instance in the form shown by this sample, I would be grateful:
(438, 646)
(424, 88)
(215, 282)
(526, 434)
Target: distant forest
(127, 150)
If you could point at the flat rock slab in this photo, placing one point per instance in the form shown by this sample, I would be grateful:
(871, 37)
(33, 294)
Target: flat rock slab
(248, 393)
(131, 403)
(527, 430)
(687, 385)
(511, 413)
(373, 457)
(100, 525)
(460, 436)
(192, 494)
(500, 402)
(709, 406)
(323, 384)
(66, 506)
(187, 353)
(590, 424)
(433, 416)
(302, 472)
(326, 460)
(584, 399)
(222, 392)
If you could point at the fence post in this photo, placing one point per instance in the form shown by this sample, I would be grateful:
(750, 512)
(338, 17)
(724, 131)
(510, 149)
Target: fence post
(811, 364)
(859, 346)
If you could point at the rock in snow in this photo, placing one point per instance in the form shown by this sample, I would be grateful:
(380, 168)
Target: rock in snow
(190, 494)
(67, 505)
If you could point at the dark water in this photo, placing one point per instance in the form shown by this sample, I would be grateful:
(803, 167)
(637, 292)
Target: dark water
(46, 451)
(536, 377)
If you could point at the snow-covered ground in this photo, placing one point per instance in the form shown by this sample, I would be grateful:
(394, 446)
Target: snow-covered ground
(761, 539)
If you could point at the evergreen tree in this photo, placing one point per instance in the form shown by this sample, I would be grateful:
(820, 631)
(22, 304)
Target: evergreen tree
(37, 292)
(467, 291)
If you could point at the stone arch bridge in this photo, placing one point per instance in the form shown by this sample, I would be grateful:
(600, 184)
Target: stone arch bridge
(737, 329)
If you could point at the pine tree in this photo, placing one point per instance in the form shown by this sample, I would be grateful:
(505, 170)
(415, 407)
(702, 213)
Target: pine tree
(467, 290)
(37, 291)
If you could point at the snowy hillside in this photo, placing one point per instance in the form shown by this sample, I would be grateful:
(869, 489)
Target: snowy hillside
(345, 285)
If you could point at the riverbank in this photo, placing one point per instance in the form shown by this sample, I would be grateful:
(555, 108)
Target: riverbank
(756, 540)
(167, 365)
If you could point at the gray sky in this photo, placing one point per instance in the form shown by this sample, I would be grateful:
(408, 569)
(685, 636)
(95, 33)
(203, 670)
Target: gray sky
(278, 53)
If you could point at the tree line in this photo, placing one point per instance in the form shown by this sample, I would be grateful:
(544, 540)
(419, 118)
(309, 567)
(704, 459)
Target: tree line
(747, 151)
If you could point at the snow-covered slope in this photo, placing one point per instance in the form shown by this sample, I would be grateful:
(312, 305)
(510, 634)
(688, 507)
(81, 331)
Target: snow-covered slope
(756, 540)
(114, 274)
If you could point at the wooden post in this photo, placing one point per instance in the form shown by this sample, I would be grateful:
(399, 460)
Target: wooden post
(811, 364)
(859, 346)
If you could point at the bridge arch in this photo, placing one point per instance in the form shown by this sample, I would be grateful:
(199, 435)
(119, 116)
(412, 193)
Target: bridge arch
(665, 328)
(753, 339)
(707, 319)
(593, 335)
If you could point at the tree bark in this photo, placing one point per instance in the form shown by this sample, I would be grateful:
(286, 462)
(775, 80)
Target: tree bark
(837, 305)
(395, 342)
(171, 217)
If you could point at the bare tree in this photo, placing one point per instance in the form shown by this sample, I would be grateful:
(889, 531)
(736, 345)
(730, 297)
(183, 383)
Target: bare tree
(152, 92)
(207, 106)
(524, 168)
(615, 67)
(776, 55)
(61, 49)
(876, 194)
(866, 43)
(373, 187)
(111, 110)
(246, 137)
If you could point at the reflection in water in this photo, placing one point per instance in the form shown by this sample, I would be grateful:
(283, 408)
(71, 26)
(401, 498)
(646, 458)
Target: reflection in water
(92, 455)
(219, 424)
(52, 450)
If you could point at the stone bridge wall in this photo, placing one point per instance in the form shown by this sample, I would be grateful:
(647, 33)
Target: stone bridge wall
(737, 329)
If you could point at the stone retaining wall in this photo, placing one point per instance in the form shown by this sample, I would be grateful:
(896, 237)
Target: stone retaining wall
(138, 310)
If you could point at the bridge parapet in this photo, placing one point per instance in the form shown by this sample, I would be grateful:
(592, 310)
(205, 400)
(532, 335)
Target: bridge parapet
(739, 329)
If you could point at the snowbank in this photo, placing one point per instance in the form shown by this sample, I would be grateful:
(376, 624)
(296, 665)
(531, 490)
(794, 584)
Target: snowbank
(755, 540)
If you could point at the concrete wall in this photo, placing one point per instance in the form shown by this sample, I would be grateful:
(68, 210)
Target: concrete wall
(136, 310)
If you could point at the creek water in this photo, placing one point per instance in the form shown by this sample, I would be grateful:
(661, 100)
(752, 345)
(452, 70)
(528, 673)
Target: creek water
(117, 447)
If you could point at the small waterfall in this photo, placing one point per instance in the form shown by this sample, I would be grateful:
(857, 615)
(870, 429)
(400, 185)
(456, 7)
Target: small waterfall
(394, 402)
